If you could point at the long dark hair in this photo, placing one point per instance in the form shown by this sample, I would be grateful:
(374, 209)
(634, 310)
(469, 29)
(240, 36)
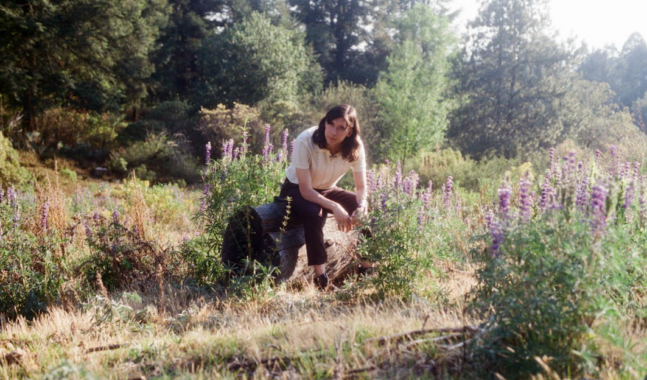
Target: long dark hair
(350, 145)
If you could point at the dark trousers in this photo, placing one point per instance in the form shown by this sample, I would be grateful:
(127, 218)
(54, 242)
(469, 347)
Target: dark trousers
(314, 216)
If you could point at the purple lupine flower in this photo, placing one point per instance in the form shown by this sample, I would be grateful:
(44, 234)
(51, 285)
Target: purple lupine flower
(88, 232)
(267, 135)
(629, 197)
(489, 218)
(525, 199)
(580, 169)
(552, 161)
(115, 216)
(229, 152)
(284, 140)
(398, 176)
(407, 187)
(582, 198)
(206, 190)
(504, 201)
(16, 218)
(370, 181)
(1, 195)
(546, 193)
(96, 216)
(279, 155)
(598, 200)
(223, 175)
(426, 199)
(236, 153)
(11, 193)
(44, 210)
(496, 231)
(413, 179)
(383, 198)
(207, 153)
(447, 192)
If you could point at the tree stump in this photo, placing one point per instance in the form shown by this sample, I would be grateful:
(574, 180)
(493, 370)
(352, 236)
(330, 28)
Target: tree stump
(255, 232)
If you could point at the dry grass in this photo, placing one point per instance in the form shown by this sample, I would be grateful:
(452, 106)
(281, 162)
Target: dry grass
(217, 337)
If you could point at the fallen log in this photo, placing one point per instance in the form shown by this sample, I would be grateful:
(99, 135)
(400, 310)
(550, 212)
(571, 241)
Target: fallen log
(263, 234)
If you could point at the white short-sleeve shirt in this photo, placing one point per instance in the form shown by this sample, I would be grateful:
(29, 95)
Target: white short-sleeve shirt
(325, 170)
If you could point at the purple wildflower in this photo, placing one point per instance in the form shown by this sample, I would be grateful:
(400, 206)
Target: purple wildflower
(383, 198)
(1, 195)
(413, 182)
(598, 200)
(96, 216)
(525, 199)
(496, 231)
(279, 156)
(206, 190)
(546, 193)
(504, 201)
(447, 192)
(236, 153)
(370, 181)
(284, 140)
(88, 232)
(11, 193)
(629, 197)
(207, 155)
(43, 215)
(426, 198)
(115, 216)
(421, 218)
(398, 176)
(582, 198)
(16, 218)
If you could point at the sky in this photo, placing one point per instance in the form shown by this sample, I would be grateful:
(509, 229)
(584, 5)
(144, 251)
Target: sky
(596, 22)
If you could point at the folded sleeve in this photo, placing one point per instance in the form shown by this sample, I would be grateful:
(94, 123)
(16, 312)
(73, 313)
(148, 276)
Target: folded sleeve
(301, 156)
(359, 165)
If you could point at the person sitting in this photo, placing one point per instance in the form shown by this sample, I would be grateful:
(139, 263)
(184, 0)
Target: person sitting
(321, 156)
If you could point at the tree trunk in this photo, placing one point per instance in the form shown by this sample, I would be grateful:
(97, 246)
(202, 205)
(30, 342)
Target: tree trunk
(256, 233)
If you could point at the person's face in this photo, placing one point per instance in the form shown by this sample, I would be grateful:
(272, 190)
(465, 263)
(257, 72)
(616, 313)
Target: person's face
(337, 131)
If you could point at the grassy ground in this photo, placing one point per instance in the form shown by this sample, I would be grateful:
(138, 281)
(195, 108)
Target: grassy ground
(288, 334)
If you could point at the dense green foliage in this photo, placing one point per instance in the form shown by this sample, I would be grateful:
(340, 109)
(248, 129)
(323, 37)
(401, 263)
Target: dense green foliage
(10, 170)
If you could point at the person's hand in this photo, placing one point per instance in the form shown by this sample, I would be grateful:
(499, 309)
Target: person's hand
(362, 210)
(344, 222)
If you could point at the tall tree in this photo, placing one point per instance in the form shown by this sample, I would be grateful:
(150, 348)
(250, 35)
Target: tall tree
(632, 70)
(599, 65)
(411, 93)
(91, 54)
(513, 77)
(190, 22)
(254, 61)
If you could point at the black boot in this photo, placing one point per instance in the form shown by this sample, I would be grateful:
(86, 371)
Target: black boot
(321, 282)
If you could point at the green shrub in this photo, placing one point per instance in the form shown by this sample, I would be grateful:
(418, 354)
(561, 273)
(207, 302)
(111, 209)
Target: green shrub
(32, 269)
(158, 157)
(69, 174)
(10, 170)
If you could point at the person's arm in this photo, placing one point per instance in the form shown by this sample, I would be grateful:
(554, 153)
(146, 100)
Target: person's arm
(309, 194)
(360, 192)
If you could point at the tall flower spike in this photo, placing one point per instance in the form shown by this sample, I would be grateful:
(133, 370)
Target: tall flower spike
(267, 135)
(447, 192)
(398, 176)
(504, 201)
(11, 193)
(525, 199)
(598, 201)
(207, 153)
(43, 215)
(1, 195)
(496, 231)
(284, 140)
(629, 197)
